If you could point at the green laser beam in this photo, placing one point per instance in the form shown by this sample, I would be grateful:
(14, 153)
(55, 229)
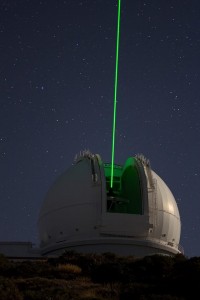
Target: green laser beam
(115, 93)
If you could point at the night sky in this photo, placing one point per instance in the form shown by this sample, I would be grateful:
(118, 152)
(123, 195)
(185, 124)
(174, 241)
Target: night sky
(57, 64)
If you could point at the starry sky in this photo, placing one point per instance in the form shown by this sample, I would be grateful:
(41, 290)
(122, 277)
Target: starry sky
(57, 67)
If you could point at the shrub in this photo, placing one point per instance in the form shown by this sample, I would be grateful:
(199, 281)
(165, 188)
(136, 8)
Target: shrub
(69, 256)
(88, 262)
(107, 273)
(6, 266)
(45, 289)
(8, 290)
(69, 268)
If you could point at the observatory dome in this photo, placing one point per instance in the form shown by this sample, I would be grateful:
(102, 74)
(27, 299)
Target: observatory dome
(138, 216)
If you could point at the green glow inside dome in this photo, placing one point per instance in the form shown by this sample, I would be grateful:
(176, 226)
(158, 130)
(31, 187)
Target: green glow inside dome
(126, 193)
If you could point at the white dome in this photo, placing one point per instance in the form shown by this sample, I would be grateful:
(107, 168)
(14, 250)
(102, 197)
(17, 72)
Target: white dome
(139, 216)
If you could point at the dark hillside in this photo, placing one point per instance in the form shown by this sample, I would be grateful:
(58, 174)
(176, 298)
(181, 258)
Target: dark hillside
(107, 276)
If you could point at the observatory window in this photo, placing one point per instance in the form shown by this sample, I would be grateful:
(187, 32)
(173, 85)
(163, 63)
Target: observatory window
(125, 195)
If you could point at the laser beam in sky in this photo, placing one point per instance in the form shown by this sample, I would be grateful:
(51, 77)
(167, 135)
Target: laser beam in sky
(115, 93)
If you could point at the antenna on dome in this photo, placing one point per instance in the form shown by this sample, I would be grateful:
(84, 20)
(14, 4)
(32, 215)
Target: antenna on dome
(115, 93)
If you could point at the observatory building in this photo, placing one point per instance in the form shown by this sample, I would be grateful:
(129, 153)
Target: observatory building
(138, 216)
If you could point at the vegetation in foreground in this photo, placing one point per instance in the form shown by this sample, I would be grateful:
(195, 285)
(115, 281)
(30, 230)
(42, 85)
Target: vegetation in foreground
(94, 277)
